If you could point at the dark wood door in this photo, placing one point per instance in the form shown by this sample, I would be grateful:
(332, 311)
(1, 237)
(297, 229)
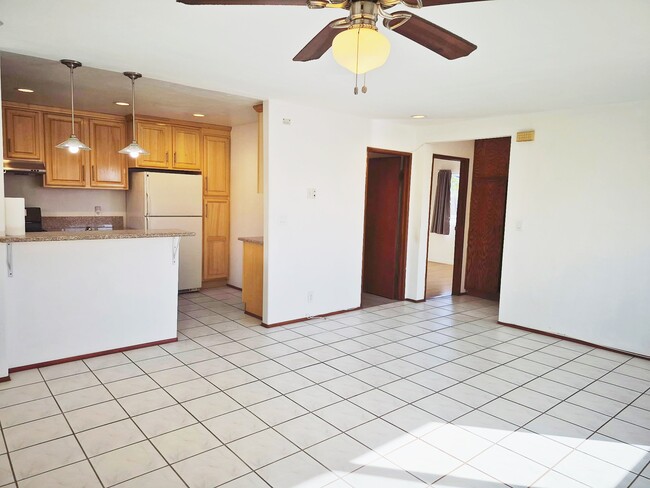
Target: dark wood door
(487, 217)
(382, 233)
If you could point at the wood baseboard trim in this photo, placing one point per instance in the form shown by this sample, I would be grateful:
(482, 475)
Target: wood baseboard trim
(415, 301)
(288, 322)
(233, 286)
(5, 378)
(216, 283)
(90, 355)
(571, 339)
(253, 315)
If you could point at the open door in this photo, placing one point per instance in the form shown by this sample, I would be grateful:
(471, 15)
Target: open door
(487, 217)
(386, 219)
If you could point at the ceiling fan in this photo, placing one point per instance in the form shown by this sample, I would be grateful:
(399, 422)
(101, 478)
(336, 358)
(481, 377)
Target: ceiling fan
(363, 17)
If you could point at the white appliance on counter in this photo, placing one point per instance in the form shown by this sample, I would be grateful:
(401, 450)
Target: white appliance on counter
(157, 200)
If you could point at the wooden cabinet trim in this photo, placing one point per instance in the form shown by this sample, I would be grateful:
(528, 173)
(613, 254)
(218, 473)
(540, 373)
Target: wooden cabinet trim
(61, 111)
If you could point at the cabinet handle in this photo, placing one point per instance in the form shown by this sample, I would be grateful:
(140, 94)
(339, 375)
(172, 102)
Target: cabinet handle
(94, 173)
(206, 210)
(167, 157)
(83, 173)
(174, 157)
(206, 183)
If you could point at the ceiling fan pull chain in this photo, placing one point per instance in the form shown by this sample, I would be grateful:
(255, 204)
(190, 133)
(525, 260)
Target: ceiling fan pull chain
(356, 70)
(364, 88)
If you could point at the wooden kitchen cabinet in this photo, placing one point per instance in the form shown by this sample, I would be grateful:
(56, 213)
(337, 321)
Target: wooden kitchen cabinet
(216, 238)
(108, 168)
(186, 148)
(63, 169)
(216, 164)
(156, 138)
(253, 277)
(23, 131)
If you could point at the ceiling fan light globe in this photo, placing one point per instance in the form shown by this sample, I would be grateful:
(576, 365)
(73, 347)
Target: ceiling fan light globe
(373, 49)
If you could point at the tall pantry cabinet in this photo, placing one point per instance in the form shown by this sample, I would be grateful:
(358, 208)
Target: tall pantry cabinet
(215, 146)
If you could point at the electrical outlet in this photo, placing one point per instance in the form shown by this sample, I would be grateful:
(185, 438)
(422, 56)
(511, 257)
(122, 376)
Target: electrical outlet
(310, 296)
(98, 209)
(311, 193)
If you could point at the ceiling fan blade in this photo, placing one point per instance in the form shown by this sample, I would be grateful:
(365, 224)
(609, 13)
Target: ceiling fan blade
(244, 2)
(432, 36)
(320, 43)
(433, 3)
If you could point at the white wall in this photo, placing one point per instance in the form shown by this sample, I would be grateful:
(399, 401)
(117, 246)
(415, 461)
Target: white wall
(57, 202)
(246, 205)
(580, 265)
(441, 246)
(312, 245)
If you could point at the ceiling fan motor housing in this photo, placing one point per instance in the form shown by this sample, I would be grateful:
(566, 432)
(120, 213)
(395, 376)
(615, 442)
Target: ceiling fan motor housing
(363, 13)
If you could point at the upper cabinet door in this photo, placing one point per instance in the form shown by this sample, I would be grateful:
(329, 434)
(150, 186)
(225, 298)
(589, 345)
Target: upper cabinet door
(216, 165)
(107, 166)
(187, 149)
(63, 169)
(23, 134)
(155, 138)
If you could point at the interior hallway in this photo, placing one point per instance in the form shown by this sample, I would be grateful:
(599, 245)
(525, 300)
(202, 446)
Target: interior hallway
(439, 279)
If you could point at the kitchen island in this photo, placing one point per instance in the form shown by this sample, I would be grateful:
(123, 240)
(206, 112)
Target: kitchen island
(77, 294)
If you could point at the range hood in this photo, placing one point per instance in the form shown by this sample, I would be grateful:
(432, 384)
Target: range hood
(23, 166)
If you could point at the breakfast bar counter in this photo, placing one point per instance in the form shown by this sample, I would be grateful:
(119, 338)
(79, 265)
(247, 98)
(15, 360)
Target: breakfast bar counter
(91, 235)
(77, 294)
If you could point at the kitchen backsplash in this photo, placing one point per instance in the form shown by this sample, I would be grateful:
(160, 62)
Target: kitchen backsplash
(62, 223)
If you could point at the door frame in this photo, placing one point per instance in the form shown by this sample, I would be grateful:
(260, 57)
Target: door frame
(404, 217)
(459, 242)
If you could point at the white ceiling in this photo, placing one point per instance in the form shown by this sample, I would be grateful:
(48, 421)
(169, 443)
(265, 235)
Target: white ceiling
(533, 55)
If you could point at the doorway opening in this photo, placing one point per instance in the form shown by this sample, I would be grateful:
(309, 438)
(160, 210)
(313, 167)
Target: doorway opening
(446, 228)
(383, 277)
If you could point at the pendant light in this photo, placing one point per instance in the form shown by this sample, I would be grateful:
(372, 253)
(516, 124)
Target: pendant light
(72, 144)
(134, 150)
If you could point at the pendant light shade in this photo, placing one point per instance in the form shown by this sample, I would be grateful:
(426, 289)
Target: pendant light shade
(360, 49)
(72, 144)
(134, 150)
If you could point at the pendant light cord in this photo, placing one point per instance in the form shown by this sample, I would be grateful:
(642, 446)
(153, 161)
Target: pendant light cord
(133, 105)
(72, 95)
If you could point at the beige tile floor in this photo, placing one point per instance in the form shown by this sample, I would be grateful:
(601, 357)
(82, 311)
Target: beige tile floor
(397, 395)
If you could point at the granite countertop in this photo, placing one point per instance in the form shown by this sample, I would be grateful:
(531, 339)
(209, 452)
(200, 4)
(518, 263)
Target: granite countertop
(91, 235)
(253, 240)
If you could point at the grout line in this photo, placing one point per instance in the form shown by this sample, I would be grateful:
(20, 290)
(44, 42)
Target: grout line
(11, 464)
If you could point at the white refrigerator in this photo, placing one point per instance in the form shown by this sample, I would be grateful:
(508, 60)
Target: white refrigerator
(157, 200)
